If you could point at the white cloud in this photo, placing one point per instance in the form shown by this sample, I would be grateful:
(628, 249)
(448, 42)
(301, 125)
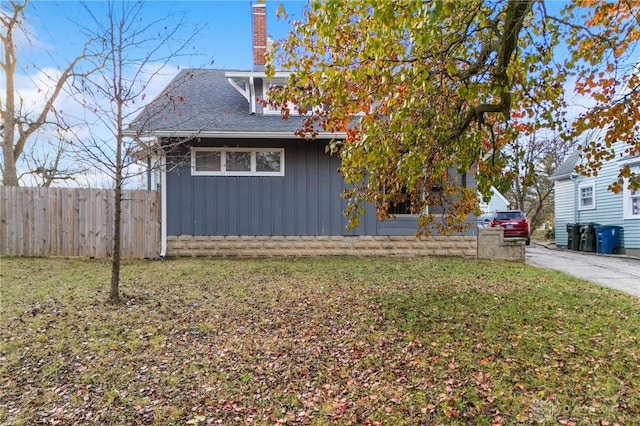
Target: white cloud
(576, 104)
(34, 89)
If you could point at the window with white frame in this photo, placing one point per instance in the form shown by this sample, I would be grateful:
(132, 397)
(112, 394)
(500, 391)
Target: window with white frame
(293, 109)
(271, 109)
(587, 196)
(408, 207)
(237, 161)
(631, 200)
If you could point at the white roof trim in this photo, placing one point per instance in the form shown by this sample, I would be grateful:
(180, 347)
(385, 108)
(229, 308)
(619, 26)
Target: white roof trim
(243, 91)
(252, 95)
(234, 135)
(259, 74)
(631, 161)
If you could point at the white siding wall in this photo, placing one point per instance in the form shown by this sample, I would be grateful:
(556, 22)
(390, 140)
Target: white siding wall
(497, 203)
(632, 226)
(609, 205)
(632, 233)
(564, 209)
(608, 209)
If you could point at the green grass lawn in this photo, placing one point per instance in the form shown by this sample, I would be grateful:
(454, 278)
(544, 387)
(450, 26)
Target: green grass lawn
(314, 341)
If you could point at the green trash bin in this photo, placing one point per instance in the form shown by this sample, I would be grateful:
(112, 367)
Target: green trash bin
(588, 237)
(573, 230)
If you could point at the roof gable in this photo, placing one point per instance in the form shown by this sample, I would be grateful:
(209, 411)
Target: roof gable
(203, 100)
(564, 171)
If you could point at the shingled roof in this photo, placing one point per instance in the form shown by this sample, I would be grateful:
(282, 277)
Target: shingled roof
(564, 171)
(202, 100)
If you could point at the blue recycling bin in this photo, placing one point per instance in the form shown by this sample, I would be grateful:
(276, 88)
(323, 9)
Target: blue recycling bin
(607, 238)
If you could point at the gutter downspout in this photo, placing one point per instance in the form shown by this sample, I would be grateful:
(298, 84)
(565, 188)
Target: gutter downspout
(576, 201)
(149, 171)
(163, 206)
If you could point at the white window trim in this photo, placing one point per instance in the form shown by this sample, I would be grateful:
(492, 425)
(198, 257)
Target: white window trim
(271, 110)
(591, 185)
(425, 210)
(627, 212)
(293, 109)
(223, 152)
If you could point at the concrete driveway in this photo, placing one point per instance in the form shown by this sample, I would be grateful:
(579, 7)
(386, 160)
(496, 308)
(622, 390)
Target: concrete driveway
(620, 273)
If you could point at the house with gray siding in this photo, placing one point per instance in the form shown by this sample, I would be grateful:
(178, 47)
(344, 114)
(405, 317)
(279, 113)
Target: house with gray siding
(235, 179)
(581, 199)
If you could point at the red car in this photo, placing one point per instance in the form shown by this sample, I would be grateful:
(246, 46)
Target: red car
(514, 222)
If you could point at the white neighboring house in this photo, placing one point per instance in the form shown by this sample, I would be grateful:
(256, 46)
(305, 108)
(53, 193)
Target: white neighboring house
(497, 202)
(580, 199)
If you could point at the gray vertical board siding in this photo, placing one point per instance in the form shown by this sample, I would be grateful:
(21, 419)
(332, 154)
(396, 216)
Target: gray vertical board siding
(367, 225)
(330, 181)
(312, 202)
(243, 194)
(326, 172)
(345, 220)
(305, 201)
(400, 225)
(260, 205)
(290, 203)
(370, 224)
(231, 227)
(300, 192)
(209, 207)
(200, 209)
(277, 203)
(189, 202)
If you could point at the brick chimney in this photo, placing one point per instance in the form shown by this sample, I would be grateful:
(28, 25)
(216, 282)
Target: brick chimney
(259, 18)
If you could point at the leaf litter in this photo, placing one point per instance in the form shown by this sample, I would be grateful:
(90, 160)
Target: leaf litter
(314, 341)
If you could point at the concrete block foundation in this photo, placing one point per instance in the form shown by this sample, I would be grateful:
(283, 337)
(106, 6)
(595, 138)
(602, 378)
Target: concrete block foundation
(488, 244)
(248, 246)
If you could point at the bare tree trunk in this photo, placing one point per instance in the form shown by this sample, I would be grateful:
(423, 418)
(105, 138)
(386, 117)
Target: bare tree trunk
(116, 42)
(122, 30)
(9, 172)
(537, 207)
(114, 294)
(20, 125)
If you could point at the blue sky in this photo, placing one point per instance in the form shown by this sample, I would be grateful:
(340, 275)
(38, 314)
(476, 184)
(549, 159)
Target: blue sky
(225, 38)
(55, 38)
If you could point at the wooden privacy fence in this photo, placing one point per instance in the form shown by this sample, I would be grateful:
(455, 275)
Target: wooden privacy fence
(77, 222)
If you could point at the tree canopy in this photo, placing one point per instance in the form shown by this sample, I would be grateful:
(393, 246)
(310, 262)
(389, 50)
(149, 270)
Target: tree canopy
(423, 88)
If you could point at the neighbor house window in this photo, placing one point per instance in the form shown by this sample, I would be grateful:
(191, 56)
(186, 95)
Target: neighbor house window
(587, 194)
(237, 161)
(631, 200)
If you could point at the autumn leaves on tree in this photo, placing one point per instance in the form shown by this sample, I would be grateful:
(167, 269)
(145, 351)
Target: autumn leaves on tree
(428, 90)
(608, 70)
(425, 89)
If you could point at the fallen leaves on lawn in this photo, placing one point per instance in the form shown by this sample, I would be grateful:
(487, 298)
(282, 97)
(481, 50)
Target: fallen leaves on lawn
(339, 341)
